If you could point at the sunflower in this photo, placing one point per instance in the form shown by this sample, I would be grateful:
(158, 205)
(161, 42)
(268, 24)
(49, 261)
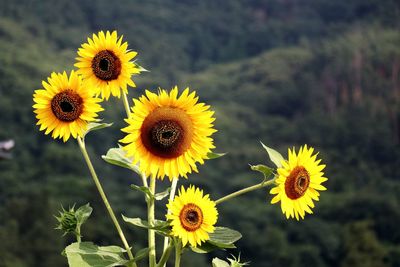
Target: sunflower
(105, 62)
(168, 134)
(64, 106)
(298, 181)
(192, 216)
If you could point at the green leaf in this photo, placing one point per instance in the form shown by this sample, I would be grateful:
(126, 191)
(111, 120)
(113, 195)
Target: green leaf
(267, 171)
(83, 213)
(208, 246)
(212, 155)
(143, 189)
(162, 227)
(222, 238)
(141, 254)
(117, 156)
(219, 263)
(162, 195)
(274, 156)
(141, 69)
(94, 126)
(87, 254)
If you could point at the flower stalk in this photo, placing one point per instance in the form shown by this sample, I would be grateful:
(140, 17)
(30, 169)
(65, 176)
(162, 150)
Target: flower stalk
(178, 253)
(151, 218)
(244, 191)
(174, 184)
(104, 198)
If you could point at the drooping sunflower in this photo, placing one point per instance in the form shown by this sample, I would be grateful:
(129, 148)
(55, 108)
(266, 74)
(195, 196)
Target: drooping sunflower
(106, 63)
(168, 134)
(298, 181)
(65, 106)
(192, 216)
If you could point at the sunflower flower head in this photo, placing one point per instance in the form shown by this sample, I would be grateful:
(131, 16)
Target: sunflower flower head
(298, 182)
(167, 135)
(65, 105)
(105, 62)
(192, 216)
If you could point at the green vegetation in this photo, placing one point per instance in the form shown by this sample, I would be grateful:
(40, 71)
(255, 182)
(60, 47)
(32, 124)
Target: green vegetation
(325, 73)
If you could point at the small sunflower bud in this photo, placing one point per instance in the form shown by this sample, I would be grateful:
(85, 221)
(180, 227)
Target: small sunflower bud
(67, 221)
(71, 220)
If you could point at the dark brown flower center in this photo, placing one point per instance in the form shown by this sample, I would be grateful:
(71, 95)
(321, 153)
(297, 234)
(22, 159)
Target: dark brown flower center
(297, 182)
(191, 217)
(67, 106)
(167, 132)
(106, 65)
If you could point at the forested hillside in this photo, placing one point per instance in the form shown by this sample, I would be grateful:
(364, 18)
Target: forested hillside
(288, 72)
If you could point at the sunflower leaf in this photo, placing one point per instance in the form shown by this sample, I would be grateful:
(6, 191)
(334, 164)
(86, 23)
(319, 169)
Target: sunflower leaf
(143, 189)
(212, 155)
(117, 156)
(221, 238)
(219, 263)
(265, 170)
(83, 213)
(162, 195)
(162, 227)
(94, 126)
(87, 254)
(224, 236)
(274, 156)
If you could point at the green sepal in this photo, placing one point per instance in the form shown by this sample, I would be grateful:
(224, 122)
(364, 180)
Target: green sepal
(87, 254)
(212, 155)
(221, 238)
(94, 126)
(117, 156)
(265, 170)
(274, 156)
(161, 227)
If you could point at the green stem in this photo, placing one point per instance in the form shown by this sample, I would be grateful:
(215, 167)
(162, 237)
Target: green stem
(178, 253)
(104, 198)
(126, 105)
(165, 255)
(150, 216)
(171, 198)
(78, 235)
(244, 191)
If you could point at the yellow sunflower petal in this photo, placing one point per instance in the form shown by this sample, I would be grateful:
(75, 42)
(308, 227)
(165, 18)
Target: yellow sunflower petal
(167, 135)
(106, 64)
(63, 107)
(298, 180)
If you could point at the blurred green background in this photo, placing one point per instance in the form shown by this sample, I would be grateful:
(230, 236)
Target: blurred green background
(284, 72)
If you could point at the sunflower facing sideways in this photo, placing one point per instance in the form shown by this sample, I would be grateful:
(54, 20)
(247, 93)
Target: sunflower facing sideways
(105, 62)
(297, 183)
(168, 134)
(65, 106)
(192, 216)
